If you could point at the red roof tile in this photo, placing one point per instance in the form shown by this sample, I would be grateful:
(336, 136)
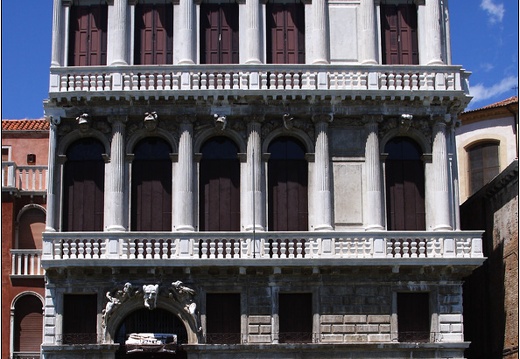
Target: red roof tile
(507, 101)
(25, 125)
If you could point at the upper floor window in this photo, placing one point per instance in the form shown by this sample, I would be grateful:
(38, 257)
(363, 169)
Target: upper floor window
(483, 164)
(404, 172)
(88, 35)
(219, 186)
(399, 34)
(287, 186)
(153, 34)
(219, 33)
(28, 325)
(83, 186)
(79, 318)
(285, 33)
(30, 229)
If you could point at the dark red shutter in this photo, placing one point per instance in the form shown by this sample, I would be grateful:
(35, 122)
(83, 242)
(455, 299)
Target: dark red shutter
(151, 204)
(219, 33)
(285, 33)
(223, 318)
(219, 186)
(28, 324)
(88, 36)
(404, 171)
(153, 34)
(83, 188)
(287, 186)
(399, 32)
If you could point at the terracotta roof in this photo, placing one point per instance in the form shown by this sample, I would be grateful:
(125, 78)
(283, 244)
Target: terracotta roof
(25, 125)
(507, 101)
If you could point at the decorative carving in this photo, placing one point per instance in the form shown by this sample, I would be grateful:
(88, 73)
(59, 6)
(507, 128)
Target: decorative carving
(83, 122)
(150, 121)
(184, 295)
(150, 292)
(220, 122)
(114, 300)
(288, 121)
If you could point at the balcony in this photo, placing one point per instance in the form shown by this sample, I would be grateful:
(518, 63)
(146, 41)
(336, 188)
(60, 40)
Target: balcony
(24, 179)
(26, 262)
(201, 81)
(261, 249)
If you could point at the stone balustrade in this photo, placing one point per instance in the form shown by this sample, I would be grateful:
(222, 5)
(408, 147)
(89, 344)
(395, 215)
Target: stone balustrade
(24, 178)
(182, 80)
(264, 245)
(26, 262)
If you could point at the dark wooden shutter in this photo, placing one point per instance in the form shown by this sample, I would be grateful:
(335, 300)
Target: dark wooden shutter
(83, 188)
(413, 317)
(219, 33)
(153, 34)
(28, 324)
(30, 229)
(223, 318)
(219, 186)
(151, 204)
(483, 164)
(285, 33)
(404, 185)
(295, 317)
(88, 35)
(287, 186)
(399, 33)
(79, 318)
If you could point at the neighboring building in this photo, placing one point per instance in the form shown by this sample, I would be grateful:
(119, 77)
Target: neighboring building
(248, 177)
(487, 142)
(487, 145)
(24, 189)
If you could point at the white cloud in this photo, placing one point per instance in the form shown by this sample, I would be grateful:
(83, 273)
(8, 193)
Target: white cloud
(495, 11)
(480, 92)
(487, 66)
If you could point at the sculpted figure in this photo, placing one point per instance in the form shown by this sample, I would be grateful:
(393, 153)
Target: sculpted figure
(150, 295)
(184, 295)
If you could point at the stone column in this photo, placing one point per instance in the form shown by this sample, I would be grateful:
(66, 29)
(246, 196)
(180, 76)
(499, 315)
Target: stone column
(117, 30)
(373, 207)
(429, 33)
(56, 34)
(253, 32)
(186, 42)
(320, 36)
(50, 225)
(322, 174)
(114, 192)
(254, 185)
(368, 35)
(184, 182)
(440, 186)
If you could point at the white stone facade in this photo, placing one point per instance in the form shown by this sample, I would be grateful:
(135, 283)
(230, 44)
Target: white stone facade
(344, 107)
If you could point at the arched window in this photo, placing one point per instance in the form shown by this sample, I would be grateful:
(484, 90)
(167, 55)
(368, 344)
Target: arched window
(483, 164)
(287, 186)
(219, 189)
(152, 186)
(28, 324)
(31, 225)
(83, 188)
(404, 185)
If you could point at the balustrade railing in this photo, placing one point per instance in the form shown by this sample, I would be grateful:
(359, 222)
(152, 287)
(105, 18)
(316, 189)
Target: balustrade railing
(263, 245)
(24, 178)
(104, 79)
(26, 262)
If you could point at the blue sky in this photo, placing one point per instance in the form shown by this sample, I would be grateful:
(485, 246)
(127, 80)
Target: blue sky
(484, 39)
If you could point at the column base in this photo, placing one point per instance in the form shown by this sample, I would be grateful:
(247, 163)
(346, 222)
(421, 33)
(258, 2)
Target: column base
(115, 228)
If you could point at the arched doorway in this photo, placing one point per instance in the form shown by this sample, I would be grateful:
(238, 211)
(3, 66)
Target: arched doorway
(151, 321)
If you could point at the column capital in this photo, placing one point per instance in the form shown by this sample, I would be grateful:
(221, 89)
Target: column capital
(372, 119)
(117, 118)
